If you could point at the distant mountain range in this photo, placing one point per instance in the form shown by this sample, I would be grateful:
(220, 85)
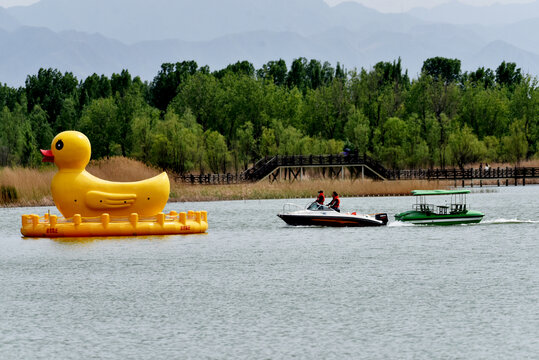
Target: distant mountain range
(455, 12)
(105, 36)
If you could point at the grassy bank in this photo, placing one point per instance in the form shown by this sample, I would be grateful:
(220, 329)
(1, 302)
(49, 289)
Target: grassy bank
(31, 187)
(304, 189)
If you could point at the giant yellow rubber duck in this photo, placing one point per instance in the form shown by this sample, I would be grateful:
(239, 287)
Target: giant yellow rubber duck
(75, 191)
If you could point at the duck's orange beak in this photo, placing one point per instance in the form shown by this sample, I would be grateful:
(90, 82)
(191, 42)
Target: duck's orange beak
(47, 156)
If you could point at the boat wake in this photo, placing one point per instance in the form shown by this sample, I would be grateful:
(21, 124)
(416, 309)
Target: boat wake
(399, 224)
(484, 222)
(510, 221)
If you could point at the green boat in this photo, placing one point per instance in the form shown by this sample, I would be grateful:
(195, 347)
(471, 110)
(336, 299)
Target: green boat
(455, 212)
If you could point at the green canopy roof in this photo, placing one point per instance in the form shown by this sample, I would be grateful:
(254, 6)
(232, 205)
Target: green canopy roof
(438, 192)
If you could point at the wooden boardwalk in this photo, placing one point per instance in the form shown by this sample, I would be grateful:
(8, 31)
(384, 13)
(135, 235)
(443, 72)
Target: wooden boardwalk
(292, 168)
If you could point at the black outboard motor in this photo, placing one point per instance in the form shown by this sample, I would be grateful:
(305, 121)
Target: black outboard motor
(382, 217)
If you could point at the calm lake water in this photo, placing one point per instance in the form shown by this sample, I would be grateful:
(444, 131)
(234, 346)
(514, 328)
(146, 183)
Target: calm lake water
(256, 288)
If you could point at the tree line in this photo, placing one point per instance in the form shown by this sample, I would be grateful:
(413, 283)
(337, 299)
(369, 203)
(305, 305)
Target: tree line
(189, 119)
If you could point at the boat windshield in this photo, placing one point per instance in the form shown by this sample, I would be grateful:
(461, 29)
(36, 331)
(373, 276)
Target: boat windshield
(318, 207)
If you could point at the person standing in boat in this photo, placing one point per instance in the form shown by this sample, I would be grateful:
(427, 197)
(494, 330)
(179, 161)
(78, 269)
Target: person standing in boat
(321, 198)
(335, 202)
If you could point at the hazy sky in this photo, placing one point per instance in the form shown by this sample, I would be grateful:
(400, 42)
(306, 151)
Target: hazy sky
(7, 3)
(381, 5)
(404, 5)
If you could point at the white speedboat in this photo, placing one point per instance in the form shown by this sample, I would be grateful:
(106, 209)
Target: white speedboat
(321, 215)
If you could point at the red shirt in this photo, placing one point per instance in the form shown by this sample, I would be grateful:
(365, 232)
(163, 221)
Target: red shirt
(320, 199)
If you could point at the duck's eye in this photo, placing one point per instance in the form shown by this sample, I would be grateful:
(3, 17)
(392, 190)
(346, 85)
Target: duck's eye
(59, 145)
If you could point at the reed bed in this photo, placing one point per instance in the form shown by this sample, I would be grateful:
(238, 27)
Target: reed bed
(123, 169)
(32, 186)
(303, 189)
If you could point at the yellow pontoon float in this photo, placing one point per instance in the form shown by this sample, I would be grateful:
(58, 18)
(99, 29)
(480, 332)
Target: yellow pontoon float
(94, 207)
(105, 225)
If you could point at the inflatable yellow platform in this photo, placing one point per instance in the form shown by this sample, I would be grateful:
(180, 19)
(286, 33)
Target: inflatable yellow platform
(52, 226)
(94, 207)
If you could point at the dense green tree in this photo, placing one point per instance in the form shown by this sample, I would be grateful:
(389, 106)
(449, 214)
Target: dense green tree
(525, 106)
(17, 140)
(394, 136)
(165, 85)
(121, 83)
(130, 103)
(275, 71)
(95, 87)
(201, 94)
(99, 121)
(333, 146)
(297, 76)
(432, 136)
(443, 100)
(48, 89)
(41, 128)
(9, 137)
(507, 74)
(492, 148)
(340, 72)
(464, 147)
(314, 74)
(178, 143)
(290, 141)
(515, 145)
(68, 117)
(240, 68)
(246, 144)
(175, 142)
(283, 104)
(141, 131)
(217, 155)
(326, 110)
(357, 132)
(29, 157)
(442, 69)
(377, 96)
(417, 102)
(417, 153)
(486, 111)
(242, 100)
(268, 142)
(9, 97)
(391, 73)
(181, 119)
(481, 77)
(328, 73)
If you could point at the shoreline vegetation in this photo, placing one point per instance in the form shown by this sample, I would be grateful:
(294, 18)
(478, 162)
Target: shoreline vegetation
(31, 186)
(190, 119)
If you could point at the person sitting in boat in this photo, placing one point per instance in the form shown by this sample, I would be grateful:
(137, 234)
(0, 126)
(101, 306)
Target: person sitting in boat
(321, 198)
(335, 202)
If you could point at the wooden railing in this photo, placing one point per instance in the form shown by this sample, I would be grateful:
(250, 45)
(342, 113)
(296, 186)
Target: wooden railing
(464, 174)
(266, 166)
(211, 179)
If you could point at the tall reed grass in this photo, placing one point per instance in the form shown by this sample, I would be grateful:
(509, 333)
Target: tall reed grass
(33, 185)
(303, 189)
(123, 169)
